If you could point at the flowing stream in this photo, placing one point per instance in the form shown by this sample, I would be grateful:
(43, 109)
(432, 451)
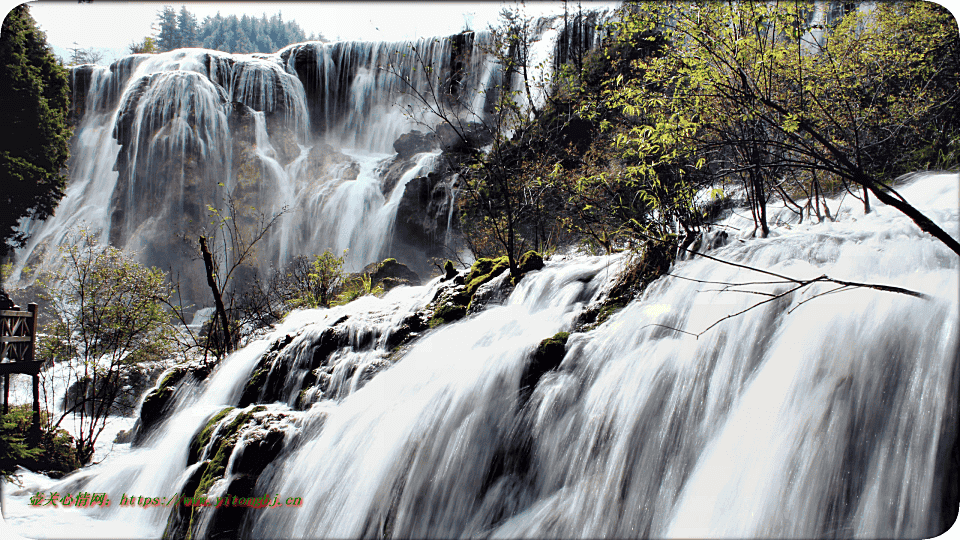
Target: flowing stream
(718, 404)
(812, 415)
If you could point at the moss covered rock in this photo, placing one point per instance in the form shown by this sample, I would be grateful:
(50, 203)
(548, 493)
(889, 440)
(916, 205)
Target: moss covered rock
(200, 440)
(254, 435)
(547, 357)
(483, 270)
(654, 261)
(389, 274)
(529, 262)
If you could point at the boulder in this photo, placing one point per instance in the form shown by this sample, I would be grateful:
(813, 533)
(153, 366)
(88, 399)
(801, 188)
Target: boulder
(463, 137)
(389, 273)
(423, 211)
(547, 357)
(414, 142)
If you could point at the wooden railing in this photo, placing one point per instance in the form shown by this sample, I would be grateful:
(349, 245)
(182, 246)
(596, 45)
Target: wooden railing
(18, 352)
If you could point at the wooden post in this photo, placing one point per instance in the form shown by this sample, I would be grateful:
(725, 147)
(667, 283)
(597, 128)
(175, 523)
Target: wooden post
(6, 392)
(32, 356)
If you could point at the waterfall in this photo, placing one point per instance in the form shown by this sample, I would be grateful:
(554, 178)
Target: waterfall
(716, 404)
(307, 132)
(816, 414)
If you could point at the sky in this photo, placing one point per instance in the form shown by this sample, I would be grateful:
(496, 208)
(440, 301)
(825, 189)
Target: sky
(111, 26)
(104, 24)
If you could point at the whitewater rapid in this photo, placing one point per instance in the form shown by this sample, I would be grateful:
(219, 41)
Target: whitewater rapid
(813, 415)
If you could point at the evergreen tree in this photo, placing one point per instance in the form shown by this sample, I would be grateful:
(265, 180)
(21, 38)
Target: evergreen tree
(188, 29)
(229, 34)
(34, 103)
(169, 38)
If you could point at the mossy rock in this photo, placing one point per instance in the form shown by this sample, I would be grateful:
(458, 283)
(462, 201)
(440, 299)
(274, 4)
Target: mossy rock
(202, 437)
(529, 262)
(547, 357)
(655, 261)
(152, 408)
(483, 270)
(451, 305)
(409, 328)
(180, 516)
(157, 401)
(214, 467)
(222, 448)
(255, 384)
(447, 313)
(389, 274)
(449, 271)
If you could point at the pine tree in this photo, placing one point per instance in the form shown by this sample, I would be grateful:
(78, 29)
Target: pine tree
(188, 29)
(34, 104)
(169, 38)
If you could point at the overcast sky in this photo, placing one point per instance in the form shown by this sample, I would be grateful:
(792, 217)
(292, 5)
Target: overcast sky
(104, 24)
(112, 24)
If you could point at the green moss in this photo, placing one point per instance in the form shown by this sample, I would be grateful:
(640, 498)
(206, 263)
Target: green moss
(256, 382)
(55, 454)
(223, 448)
(447, 313)
(558, 340)
(201, 439)
(449, 271)
(172, 377)
(608, 309)
(654, 262)
(154, 404)
(484, 270)
(529, 262)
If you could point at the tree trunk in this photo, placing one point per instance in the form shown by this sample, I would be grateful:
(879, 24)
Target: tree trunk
(217, 298)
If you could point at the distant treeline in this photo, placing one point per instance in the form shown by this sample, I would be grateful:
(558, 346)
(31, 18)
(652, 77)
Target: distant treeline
(223, 33)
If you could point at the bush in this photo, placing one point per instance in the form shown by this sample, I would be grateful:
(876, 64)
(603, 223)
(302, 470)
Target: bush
(55, 455)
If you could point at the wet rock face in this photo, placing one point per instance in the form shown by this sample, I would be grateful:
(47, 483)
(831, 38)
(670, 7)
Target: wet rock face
(415, 142)
(463, 137)
(229, 454)
(422, 215)
(390, 274)
(159, 400)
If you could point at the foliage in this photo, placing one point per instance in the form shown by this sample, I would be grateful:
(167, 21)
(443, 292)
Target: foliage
(229, 34)
(311, 284)
(756, 92)
(228, 247)
(146, 46)
(34, 103)
(106, 317)
(500, 201)
(355, 287)
(79, 56)
(13, 449)
(55, 454)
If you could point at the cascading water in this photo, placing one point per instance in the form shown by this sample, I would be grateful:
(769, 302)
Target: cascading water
(160, 139)
(812, 415)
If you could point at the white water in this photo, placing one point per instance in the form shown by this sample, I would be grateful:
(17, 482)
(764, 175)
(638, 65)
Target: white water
(803, 417)
(156, 146)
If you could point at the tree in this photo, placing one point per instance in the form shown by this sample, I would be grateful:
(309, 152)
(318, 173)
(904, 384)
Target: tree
(34, 144)
(147, 46)
(187, 28)
(754, 91)
(500, 189)
(106, 317)
(80, 56)
(227, 246)
(169, 37)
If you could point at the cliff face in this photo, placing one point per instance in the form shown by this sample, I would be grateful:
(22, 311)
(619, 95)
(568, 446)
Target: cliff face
(327, 135)
(163, 140)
